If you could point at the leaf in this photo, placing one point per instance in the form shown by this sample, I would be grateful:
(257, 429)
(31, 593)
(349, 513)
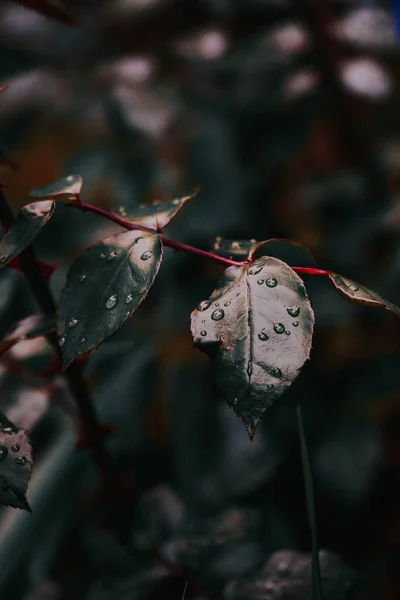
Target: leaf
(67, 188)
(26, 227)
(257, 328)
(15, 464)
(54, 9)
(157, 215)
(310, 501)
(28, 328)
(237, 250)
(104, 287)
(360, 294)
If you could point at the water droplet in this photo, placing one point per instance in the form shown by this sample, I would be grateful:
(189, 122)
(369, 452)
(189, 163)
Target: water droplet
(279, 328)
(287, 332)
(15, 448)
(218, 314)
(203, 305)
(217, 304)
(61, 340)
(102, 256)
(263, 336)
(82, 340)
(147, 255)
(228, 303)
(235, 401)
(128, 299)
(203, 333)
(112, 255)
(295, 323)
(82, 278)
(353, 288)
(176, 201)
(255, 269)
(271, 282)
(112, 301)
(20, 460)
(275, 372)
(293, 311)
(72, 322)
(3, 452)
(203, 320)
(260, 281)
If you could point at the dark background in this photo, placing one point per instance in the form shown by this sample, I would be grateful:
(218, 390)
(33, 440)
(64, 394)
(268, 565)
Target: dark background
(286, 116)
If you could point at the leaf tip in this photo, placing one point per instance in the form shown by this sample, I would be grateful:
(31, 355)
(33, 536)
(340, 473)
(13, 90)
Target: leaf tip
(251, 427)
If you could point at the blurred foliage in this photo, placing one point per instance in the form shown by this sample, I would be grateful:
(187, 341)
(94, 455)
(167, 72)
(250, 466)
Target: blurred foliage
(284, 114)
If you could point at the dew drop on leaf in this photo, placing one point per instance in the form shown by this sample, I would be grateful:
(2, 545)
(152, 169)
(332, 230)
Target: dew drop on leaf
(203, 305)
(254, 270)
(353, 288)
(228, 303)
(260, 281)
(279, 328)
(218, 314)
(112, 301)
(275, 372)
(128, 299)
(293, 311)
(203, 333)
(112, 255)
(102, 256)
(287, 332)
(8, 430)
(263, 336)
(20, 460)
(271, 282)
(15, 448)
(72, 322)
(82, 340)
(61, 341)
(146, 255)
(3, 452)
(295, 323)
(82, 278)
(217, 304)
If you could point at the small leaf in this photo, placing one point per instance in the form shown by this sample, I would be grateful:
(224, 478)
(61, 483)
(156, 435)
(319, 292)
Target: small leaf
(257, 327)
(158, 214)
(15, 464)
(237, 250)
(29, 328)
(104, 287)
(54, 9)
(360, 294)
(26, 227)
(67, 188)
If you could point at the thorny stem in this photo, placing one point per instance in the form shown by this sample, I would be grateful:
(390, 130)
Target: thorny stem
(130, 225)
(73, 373)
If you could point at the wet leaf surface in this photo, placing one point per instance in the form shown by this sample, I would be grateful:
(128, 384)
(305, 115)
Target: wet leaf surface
(104, 287)
(257, 328)
(26, 227)
(15, 464)
(66, 188)
(158, 214)
(360, 294)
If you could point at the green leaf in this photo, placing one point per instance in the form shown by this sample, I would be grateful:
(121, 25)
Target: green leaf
(157, 215)
(360, 294)
(104, 287)
(29, 328)
(236, 250)
(257, 328)
(15, 464)
(67, 188)
(309, 489)
(26, 227)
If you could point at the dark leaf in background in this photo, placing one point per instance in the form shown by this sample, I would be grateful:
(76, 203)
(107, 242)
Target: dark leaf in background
(360, 294)
(15, 464)
(66, 188)
(287, 576)
(289, 251)
(136, 585)
(257, 327)
(54, 9)
(104, 287)
(28, 328)
(237, 250)
(28, 224)
(158, 214)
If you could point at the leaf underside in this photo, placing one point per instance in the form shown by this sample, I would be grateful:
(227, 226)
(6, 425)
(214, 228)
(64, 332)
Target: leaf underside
(66, 188)
(257, 328)
(29, 328)
(15, 464)
(26, 227)
(104, 287)
(360, 294)
(158, 214)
